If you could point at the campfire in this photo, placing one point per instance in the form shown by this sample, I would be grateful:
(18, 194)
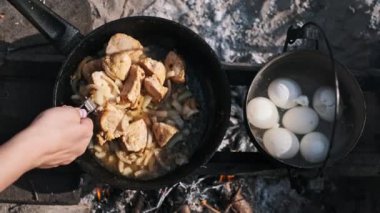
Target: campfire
(236, 179)
(226, 193)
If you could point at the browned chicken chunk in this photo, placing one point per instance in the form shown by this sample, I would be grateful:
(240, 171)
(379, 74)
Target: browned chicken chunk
(117, 65)
(105, 89)
(154, 88)
(163, 132)
(122, 42)
(124, 123)
(153, 67)
(136, 136)
(175, 67)
(123, 126)
(110, 120)
(90, 67)
(132, 86)
(135, 55)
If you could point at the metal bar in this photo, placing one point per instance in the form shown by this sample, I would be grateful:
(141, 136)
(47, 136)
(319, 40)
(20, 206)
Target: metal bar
(239, 73)
(238, 163)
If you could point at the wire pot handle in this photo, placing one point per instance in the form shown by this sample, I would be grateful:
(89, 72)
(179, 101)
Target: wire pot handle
(313, 31)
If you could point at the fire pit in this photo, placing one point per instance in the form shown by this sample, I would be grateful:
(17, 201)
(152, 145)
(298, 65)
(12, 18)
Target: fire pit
(228, 182)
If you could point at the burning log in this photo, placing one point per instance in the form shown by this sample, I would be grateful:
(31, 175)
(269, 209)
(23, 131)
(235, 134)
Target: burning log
(209, 207)
(226, 178)
(238, 202)
(139, 205)
(184, 209)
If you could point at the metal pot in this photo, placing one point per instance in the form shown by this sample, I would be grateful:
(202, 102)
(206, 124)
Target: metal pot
(312, 69)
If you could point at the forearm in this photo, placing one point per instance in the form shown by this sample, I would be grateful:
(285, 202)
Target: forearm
(16, 157)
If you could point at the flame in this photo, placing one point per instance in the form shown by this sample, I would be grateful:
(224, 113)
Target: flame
(226, 178)
(230, 178)
(98, 193)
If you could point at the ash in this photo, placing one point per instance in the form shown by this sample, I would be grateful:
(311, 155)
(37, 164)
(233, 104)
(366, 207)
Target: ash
(202, 195)
(252, 32)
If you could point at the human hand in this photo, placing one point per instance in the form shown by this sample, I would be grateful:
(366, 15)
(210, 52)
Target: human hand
(59, 135)
(56, 137)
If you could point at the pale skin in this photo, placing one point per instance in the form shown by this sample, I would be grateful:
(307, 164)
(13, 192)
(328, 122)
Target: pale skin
(56, 137)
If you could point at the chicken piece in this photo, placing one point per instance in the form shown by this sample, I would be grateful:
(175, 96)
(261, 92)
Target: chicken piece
(105, 89)
(153, 67)
(124, 123)
(136, 136)
(122, 42)
(135, 55)
(110, 120)
(163, 132)
(137, 105)
(154, 88)
(175, 67)
(123, 126)
(90, 67)
(132, 86)
(116, 66)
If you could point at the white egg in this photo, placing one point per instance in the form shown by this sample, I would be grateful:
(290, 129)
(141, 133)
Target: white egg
(262, 113)
(314, 147)
(281, 143)
(324, 102)
(283, 92)
(300, 120)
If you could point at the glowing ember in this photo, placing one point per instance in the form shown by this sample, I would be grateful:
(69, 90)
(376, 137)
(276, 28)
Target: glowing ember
(98, 193)
(226, 178)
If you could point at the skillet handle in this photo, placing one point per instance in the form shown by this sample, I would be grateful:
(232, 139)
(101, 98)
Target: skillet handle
(63, 35)
(240, 73)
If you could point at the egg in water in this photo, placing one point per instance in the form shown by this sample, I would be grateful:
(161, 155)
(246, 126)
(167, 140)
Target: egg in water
(314, 147)
(324, 102)
(281, 143)
(262, 113)
(300, 120)
(284, 92)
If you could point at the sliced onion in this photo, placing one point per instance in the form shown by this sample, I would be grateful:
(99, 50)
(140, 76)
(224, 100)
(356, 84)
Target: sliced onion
(177, 106)
(172, 113)
(122, 157)
(127, 171)
(170, 74)
(170, 122)
(185, 95)
(100, 155)
(141, 173)
(161, 113)
(147, 158)
(185, 110)
(178, 120)
(147, 100)
(121, 166)
(169, 92)
(190, 113)
(159, 160)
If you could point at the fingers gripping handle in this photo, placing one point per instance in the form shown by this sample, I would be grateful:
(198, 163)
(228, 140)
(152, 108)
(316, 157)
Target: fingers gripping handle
(87, 108)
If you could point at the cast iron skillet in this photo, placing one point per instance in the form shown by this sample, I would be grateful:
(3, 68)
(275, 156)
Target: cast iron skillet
(205, 77)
